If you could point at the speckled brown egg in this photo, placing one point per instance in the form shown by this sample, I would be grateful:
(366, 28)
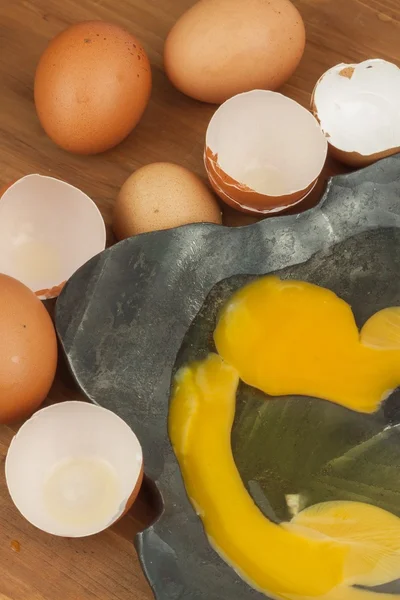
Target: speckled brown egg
(162, 196)
(92, 85)
(219, 48)
(28, 350)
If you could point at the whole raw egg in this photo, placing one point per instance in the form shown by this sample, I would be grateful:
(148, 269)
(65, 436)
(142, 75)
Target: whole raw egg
(92, 85)
(162, 196)
(28, 350)
(219, 48)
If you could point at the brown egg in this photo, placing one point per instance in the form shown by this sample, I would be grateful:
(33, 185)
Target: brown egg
(28, 350)
(92, 85)
(220, 48)
(162, 196)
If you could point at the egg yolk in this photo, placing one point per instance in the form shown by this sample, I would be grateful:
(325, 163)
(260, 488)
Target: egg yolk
(321, 553)
(296, 338)
(288, 337)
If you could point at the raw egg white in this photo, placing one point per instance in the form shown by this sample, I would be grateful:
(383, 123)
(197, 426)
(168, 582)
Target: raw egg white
(264, 152)
(28, 351)
(220, 48)
(48, 229)
(92, 85)
(74, 469)
(162, 196)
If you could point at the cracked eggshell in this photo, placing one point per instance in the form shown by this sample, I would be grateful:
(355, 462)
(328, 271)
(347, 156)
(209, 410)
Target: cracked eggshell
(357, 106)
(264, 152)
(48, 229)
(74, 469)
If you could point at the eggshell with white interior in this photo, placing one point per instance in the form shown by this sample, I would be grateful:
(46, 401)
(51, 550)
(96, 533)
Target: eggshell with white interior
(357, 106)
(48, 229)
(264, 152)
(74, 469)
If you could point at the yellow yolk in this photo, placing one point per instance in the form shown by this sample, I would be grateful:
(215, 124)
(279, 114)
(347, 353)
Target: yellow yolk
(372, 534)
(382, 330)
(201, 417)
(321, 553)
(292, 337)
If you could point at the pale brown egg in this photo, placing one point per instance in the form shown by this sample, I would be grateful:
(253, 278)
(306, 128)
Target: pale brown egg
(219, 48)
(92, 85)
(162, 196)
(28, 350)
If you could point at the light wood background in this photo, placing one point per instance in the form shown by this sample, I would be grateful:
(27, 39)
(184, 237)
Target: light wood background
(34, 566)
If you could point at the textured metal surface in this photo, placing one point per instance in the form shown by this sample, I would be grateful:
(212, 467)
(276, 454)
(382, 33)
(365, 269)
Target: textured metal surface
(123, 316)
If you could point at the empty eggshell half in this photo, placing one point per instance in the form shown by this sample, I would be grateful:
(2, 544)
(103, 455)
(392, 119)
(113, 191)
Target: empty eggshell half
(357, 106)
(264, 152)
(74, 469)
(48, 229)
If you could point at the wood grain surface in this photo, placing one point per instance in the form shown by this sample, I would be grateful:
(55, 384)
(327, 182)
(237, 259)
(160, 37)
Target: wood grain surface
(34, 565)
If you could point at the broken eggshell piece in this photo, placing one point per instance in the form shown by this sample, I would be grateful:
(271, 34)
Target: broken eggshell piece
(264, 152)
(357, 106)
(74, 469)
(48, 229)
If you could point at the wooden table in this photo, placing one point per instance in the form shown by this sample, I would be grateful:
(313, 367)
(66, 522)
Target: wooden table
(34, 565)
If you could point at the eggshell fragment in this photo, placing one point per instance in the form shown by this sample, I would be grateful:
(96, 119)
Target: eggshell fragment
(219, 48)
(74, 469)
(28, 351)
(162, 196)
(357, 106)
(48, 229)
(264, 152)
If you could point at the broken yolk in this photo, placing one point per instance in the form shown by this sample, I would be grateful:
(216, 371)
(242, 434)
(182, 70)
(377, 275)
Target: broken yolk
(288, 337)
(201, 417)
(321, 553)
(296, 338)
